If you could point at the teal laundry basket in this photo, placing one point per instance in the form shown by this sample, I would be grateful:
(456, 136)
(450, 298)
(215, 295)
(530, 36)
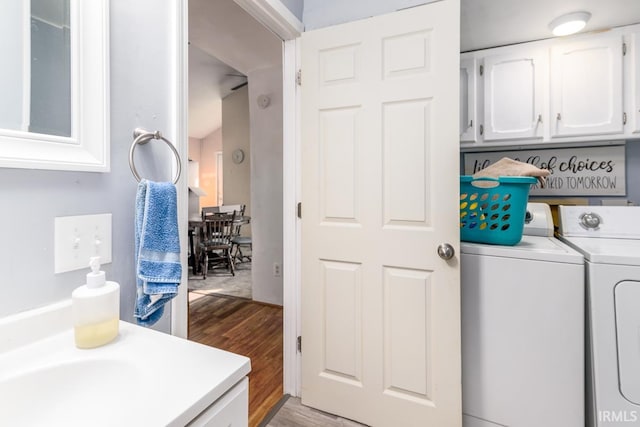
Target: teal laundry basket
(492, 210)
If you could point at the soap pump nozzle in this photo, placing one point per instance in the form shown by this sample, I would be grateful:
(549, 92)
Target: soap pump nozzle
(96, 278)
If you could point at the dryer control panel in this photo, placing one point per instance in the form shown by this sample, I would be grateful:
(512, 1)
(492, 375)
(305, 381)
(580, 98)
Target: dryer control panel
(612, 222)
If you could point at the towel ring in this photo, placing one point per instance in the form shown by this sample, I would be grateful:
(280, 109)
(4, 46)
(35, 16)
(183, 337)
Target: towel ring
(142, 137)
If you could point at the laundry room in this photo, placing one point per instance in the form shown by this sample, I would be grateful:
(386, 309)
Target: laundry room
(550, 272)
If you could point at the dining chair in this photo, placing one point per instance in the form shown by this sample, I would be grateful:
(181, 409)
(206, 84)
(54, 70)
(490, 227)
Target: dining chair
(238, 241)
(239, 208)
(215, 247)
(209, 210)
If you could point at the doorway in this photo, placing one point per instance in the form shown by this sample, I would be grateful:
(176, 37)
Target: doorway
(219, 146)
(213, 29)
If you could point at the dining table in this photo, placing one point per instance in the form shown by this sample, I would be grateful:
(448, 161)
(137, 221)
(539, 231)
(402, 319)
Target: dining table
(195, 233)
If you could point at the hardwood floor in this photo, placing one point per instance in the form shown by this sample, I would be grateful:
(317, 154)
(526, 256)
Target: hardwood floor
(244, 327)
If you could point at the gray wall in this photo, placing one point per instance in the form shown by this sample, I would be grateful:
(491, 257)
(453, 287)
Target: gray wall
(632, 152)
(295, 6)
(12, 72)
(266, 184)
(50, 79)
(141, 67)
(324, 13)
(633, 171)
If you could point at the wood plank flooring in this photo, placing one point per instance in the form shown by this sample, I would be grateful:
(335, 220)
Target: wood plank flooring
(248, 328)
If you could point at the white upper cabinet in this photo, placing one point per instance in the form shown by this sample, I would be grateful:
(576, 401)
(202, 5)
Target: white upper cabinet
(586, 87)
(514, 94)
(468, 91)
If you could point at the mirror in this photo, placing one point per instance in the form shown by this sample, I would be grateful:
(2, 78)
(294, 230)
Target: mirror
(54, 80)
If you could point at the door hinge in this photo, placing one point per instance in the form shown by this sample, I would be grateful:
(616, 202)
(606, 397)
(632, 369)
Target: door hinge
(624, 49)
(299, 209)
(481, 69)
(624, 118)
(299, 344)
(299, 77)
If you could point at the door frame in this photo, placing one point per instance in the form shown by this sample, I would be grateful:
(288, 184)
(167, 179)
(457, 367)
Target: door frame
(277, 18)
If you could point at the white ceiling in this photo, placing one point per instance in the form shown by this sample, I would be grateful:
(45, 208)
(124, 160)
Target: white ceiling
(490, 23)
(224, 40)
(210, 80)
(222, 30)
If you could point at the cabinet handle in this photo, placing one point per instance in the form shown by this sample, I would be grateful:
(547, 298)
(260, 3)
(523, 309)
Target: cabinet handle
(539, 118)
(558, 117)
(470, 123)
(481, 129)
(624, 118)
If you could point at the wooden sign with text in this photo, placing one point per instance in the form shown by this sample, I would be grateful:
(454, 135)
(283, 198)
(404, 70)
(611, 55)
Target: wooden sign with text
(585, 171)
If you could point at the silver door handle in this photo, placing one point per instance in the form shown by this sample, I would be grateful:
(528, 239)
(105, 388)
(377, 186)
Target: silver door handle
(446, 251)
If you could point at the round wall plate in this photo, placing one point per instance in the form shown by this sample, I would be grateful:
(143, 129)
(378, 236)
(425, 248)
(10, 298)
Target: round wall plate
(237, 155)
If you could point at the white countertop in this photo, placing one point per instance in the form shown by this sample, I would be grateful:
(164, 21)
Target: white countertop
(142, 378)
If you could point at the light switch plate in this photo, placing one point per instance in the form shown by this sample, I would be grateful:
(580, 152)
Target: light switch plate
(78, 238)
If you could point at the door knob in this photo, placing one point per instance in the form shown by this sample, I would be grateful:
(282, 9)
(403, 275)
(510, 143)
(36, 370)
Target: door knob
(446, 251)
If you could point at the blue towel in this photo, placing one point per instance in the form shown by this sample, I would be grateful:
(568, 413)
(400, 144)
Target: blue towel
(158, 269)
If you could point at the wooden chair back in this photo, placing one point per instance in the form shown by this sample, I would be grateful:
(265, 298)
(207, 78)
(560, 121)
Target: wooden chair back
(218, 230)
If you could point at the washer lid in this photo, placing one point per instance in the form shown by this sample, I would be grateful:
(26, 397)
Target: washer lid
(530, 247)
(607, 251)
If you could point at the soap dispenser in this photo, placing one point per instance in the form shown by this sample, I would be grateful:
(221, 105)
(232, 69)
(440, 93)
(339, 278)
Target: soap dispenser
(96, 309)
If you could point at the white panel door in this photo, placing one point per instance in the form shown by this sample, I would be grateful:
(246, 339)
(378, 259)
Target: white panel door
(468, 94)
(586, 87)
(514, 86)
(380, 162)
(636, 73)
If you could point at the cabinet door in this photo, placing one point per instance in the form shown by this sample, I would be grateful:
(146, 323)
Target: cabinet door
(513, 95)
(468, 91)
(586, 87)
(231, 410)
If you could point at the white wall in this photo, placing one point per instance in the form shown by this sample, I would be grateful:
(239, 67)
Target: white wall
(324, 13)
(194, 149)
(235, 135)
(141, 40)
(266, 183)
(211, 145)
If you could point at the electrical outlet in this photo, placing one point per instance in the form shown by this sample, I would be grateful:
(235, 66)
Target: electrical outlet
(277, 269)
(78, 238)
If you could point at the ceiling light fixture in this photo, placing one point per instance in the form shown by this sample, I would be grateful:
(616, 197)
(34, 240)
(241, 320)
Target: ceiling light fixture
(569, 24)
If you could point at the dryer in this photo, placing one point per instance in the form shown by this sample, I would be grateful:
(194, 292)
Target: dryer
(609, 239)
(523, 330)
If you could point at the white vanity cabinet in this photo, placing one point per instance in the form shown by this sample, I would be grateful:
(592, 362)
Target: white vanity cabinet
(514, 87)
(468, 94)
(231, 410)
(586, 87)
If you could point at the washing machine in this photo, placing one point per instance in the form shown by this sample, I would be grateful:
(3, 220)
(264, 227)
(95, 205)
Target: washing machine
(523, 330)
(609, 239)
